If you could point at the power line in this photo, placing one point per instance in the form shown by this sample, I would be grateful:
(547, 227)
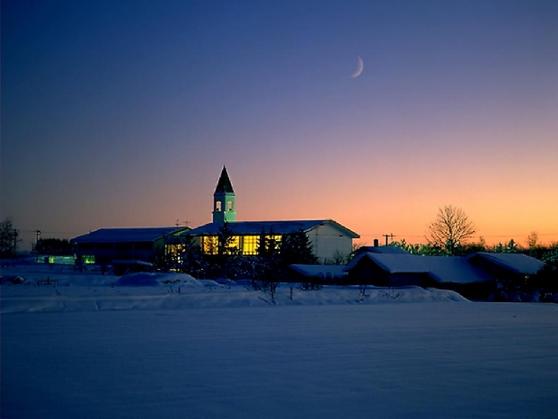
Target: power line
(483, 235)
(387, 237)
(42, 232)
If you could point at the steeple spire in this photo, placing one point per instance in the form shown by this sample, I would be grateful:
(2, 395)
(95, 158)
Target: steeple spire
(224, 185)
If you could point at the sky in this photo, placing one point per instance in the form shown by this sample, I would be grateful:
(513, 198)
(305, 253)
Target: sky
(123, 113)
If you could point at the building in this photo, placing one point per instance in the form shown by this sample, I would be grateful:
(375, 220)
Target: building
(107, 245)
(330, 240)
(516, 267)
(475, 276)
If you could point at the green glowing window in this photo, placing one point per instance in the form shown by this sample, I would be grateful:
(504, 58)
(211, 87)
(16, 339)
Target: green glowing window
(88, 259)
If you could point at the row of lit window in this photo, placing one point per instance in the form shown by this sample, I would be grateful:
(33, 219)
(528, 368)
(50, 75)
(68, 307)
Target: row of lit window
(247, 245)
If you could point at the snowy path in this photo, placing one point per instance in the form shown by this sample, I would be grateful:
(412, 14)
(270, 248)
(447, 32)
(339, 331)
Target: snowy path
(423, 360)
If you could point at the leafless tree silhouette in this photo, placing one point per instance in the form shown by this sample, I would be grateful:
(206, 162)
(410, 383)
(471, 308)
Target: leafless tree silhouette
(450, 229)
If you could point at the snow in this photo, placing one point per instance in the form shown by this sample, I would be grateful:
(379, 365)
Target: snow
(204, 349)
(141, 279)
(320, 271)
(444, 269)
(155, 291)
(383, 249)
(449, 269)
(516, 262)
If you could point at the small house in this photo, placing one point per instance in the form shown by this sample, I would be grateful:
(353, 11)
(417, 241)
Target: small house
(475, 276)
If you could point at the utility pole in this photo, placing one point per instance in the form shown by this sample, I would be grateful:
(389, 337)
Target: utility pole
(37, 237)
(387, 237)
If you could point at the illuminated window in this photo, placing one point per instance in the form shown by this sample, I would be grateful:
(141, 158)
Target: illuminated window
(275, 239)
(229, 205)
(88, 259)
(174, 253)
(210, 245)
(233, 245)
(250, 245)
(217, 205)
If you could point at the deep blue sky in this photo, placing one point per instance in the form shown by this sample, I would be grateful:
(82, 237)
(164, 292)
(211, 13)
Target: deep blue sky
(121, 113)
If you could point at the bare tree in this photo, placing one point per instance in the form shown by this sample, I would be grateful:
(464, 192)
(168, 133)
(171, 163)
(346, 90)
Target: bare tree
(450, 229)
(532, 240)
(8, 239)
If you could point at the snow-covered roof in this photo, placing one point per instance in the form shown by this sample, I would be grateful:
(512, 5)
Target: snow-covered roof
(383, 249)
(269, 227)
(126, 235)
(454, 269)
(320, 271)
(515, 262)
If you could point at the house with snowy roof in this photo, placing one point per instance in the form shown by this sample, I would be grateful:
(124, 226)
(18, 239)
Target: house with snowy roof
(475, 275)
(514, 266)
(329, 239)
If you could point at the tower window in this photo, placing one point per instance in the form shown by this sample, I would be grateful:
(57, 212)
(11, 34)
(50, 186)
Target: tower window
(217, 205)
(229, 205)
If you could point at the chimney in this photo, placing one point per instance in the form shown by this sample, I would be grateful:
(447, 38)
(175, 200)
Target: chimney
(376, 243)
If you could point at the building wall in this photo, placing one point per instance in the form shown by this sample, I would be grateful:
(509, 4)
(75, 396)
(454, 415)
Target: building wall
(367, 272)
(328, 243)
(105, 253)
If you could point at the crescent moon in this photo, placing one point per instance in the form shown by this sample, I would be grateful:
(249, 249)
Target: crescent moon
(359, 68)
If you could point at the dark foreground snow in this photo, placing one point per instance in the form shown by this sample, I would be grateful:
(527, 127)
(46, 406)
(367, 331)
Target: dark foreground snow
(426, 360)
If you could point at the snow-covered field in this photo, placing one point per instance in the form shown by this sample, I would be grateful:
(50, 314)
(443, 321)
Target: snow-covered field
(217, 350)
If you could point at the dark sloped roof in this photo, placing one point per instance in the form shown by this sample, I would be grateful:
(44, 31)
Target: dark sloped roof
(514, 262)
(269, 227)
(224, 184)
(126, 235)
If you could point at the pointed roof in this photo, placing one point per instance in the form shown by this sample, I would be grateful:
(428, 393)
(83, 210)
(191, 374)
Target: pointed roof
(224, 185)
